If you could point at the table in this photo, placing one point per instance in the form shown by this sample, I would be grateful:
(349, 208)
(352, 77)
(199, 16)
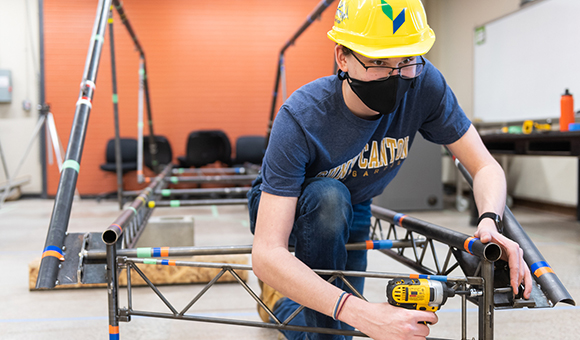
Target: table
(545, 143)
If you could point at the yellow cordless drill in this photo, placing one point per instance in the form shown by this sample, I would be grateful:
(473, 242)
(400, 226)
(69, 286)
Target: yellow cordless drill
(419, 294)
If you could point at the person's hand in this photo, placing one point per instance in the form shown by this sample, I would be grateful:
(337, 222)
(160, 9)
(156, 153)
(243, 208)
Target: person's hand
(511, 252)
(382, 321)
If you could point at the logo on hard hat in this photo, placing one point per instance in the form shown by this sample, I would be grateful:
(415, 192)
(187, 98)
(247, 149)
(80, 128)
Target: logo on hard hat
(341, 12)
(398, 21)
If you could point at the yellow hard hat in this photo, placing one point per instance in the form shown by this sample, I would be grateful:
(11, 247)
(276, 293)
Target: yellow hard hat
(382, 28)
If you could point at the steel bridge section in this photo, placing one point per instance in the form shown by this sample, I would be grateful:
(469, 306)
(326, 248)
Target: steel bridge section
(98, 257)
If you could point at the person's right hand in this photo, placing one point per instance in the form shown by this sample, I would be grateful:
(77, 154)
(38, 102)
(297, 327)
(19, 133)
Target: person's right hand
(383, 321)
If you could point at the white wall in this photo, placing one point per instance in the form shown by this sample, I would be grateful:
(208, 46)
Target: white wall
(544, 179)
(19, 53)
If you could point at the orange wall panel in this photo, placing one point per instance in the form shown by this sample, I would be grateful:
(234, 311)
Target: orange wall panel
(211, 65)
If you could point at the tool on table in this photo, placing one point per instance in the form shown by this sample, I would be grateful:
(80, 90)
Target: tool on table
(422, 294)
(528, 127)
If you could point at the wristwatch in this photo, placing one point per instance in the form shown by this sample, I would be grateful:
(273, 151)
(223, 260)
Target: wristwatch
(496, 219)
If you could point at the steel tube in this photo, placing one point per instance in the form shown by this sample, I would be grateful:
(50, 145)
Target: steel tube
(112, 292)
(48, 270)
(200, 171)
(118, 159)
(326, 272)
(316, 13)
(151, 138)
(203, 179)
(114, 231)
(140, 177)
(149, 252)
(489, 251)
(42, 106)
(202, 191)
(486, 302)
(152, 144)
(543, 273)
(195, 203)
(246, 323)
(203, 291)
(463, 315)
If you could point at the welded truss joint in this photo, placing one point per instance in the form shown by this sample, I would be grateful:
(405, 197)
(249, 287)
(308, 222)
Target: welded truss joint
(124, 315)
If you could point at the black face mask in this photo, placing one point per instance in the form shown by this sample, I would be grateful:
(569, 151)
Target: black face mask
(382, 96)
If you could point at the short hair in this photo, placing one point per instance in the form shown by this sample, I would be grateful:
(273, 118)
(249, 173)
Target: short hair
(346, 50)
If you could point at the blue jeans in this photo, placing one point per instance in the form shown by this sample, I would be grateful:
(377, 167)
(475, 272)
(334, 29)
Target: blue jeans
(325, 222)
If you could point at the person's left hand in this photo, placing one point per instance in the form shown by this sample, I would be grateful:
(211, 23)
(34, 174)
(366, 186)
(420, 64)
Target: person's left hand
(511, 252)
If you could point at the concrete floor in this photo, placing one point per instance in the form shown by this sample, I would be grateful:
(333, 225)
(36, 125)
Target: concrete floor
(82, 313)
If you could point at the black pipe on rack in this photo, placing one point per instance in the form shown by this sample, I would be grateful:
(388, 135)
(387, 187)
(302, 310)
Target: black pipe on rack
(53, 248)
(152, 143)
(118, 160)
(488, 251)
(543, 273)
(322, 5)
(112, 234)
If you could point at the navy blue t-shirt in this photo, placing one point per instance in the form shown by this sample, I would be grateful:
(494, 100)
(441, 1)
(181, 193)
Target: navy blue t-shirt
(315, 134)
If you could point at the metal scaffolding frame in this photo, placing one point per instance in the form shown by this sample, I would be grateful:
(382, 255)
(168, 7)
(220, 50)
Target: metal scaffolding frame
(71, 258)
(419, 238)
(408, 240)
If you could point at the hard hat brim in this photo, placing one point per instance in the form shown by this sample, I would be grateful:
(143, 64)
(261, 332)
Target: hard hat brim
(419, 48)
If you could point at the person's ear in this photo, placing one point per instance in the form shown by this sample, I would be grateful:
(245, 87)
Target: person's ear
(340, 58)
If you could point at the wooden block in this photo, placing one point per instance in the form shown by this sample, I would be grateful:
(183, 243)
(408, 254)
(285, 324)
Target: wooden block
(162, 275)
(167, 275)
(33, 275)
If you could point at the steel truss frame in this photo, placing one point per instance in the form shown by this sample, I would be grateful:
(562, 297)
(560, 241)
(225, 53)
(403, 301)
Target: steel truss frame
(118, 259)
(86, 256)
(124, 314)
(477, 260)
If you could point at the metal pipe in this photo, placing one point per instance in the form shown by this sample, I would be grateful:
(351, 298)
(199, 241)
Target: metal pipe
(316, 13)
(486, 302)
(463, 315)
(203, 179)
(118, 159)
(42, 107)
(114, 231)
(322, 272)
(247, 323)
(48, 270)
(203, 191)
(112, 291)
(474, 246)
(194, 203)
(200, 171)
(140, 177)
(152, 252)
(129, 295)
(543, 273)
(152, 143)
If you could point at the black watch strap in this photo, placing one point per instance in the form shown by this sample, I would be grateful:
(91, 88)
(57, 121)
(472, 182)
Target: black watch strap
(495, 217)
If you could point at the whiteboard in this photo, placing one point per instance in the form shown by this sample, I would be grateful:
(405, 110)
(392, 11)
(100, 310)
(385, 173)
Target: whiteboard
(523, 62)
